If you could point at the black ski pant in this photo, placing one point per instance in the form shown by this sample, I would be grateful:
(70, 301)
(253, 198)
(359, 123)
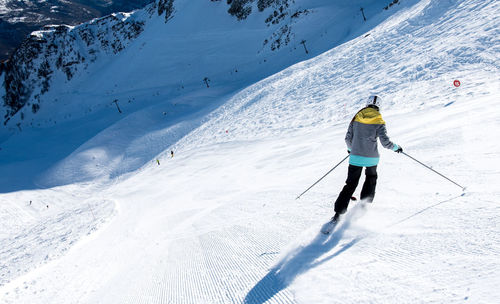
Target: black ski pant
(367, 192)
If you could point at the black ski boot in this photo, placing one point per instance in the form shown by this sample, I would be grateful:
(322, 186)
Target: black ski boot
(328, 227)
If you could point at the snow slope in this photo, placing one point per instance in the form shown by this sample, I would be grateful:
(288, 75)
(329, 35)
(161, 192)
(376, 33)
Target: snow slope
(157, 78)
(219, 223)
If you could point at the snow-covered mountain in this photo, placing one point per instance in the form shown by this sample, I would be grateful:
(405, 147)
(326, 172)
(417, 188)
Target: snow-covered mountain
(241, 40)
(174, 56)
(19, 18)
(94, 208)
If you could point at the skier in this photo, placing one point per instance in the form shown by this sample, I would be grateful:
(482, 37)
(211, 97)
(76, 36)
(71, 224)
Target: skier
(361, 139)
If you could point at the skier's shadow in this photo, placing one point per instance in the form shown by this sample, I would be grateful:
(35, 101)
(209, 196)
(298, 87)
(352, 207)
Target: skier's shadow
(304, 258)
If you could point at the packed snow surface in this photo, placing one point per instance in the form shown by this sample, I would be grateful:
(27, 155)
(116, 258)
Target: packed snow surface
(219, 223)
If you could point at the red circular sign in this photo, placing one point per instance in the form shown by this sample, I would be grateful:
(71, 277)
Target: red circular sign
(456, 83)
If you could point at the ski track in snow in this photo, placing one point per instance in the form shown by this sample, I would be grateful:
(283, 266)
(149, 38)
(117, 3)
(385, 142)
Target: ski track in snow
(218, 223)
(214, 264)
(48, 228)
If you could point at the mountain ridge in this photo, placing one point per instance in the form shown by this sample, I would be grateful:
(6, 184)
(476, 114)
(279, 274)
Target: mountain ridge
(70, 50)
(169, 77)
(19, 18)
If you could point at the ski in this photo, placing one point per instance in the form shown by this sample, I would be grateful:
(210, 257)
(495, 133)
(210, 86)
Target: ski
(329, 227)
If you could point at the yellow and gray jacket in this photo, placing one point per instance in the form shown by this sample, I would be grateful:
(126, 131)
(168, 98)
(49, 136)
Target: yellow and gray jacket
(361, 138)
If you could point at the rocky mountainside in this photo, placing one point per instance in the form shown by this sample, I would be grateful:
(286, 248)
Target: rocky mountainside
(62, 48)
(258, 38)
(19, 18)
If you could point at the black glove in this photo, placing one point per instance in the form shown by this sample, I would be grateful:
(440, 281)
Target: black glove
(399, 150)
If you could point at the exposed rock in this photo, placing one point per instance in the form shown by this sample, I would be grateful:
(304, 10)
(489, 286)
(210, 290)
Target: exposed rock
(167, 7)
(56, 48)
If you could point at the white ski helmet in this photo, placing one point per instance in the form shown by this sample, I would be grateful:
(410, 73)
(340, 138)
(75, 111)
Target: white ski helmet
(373, 100)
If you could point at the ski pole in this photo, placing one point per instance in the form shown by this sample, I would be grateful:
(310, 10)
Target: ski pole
(463, 188)
(323, 176)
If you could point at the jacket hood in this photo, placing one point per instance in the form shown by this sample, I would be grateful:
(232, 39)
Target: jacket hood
(370, 116)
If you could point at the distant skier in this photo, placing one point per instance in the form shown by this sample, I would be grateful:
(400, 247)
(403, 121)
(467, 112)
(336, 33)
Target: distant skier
(171, 153)
(361, 139)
